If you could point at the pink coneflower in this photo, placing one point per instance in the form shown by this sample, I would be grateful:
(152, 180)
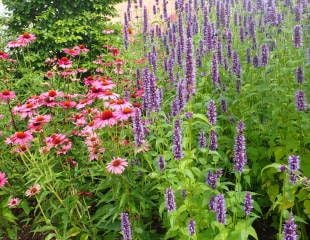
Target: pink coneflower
(33, 190)
(64, 62)
(125, 113)
(49, 98)
(3, 179)
(20, 138)
(82, 48)
(16, 44)
(108, 95)
(68, 72)
(81, 70)
(118, 104)
(115, 51)
(7, 95)
(26, 38)
(117, 165)
(94, 146)
(83, 103)
(26, 110)
(13, 202)
(36, 123)
(67, 104)
(4, 55)
(73, 52)
(49, 74)
(108, 31)
(79, 120)
(105, 118)
(58, 141)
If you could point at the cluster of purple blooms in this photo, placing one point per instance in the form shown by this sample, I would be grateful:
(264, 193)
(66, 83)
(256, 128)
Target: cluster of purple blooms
(293, 165)
(181, 61)
(217, 204)
(170, 200)
(240, 156)
(126, 226)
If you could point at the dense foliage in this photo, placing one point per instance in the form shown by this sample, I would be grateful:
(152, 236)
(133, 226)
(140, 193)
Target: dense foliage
(59, 24)
(193, 125)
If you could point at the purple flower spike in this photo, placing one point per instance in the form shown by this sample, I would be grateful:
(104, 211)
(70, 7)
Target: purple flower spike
(161, 163)
(202, 140)
(297, 36)
(300, 101)
(299, 75)
(240, 157)
(177, 140)
(138, 128)
(211, 113)
(293, 165)
(290, 229)
(213, 177)
(213, 140)
(191, 227)
(126, 226)
(170, 200)
(217, 204)
(248, 204)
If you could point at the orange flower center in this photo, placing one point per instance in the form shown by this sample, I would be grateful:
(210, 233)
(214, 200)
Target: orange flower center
(20, 135)
(52, 93)
(6, 92)
(116, 163)
(127, 110)
(106, 114)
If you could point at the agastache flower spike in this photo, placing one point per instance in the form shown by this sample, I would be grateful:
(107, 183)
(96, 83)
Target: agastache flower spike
(191, 227)
(161, 163)
(248, 204)
(211, 113)
(126, 226)
(202, 139)
(293, 164)
(213, 140)
(300, 101)
(290, 229)
(138, 128)
(240, 157)
(299, 75)
(297, 36)
(177, 140)
(170, 200)
(217, 205)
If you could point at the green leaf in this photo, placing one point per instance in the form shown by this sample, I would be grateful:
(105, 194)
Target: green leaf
(72, 232)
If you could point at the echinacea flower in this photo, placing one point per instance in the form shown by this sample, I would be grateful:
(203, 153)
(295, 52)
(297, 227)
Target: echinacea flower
(73, 52)
(7, 95)
(16, 44)
(4, 55)
(26, 38)
(125, 113)
(105, 118)
(20, 138)
(33, 190)
(58, 141)
(117, 165)
(64, 62)
(13, 202)
(3, 179)
(36, 123)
